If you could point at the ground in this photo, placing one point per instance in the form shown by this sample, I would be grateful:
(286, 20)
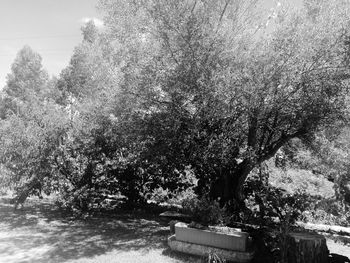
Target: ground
(339, 248)
(41, 233)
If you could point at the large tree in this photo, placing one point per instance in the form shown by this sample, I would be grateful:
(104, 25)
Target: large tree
(222, 88)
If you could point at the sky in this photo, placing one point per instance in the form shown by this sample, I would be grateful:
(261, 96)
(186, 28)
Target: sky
(49, 27)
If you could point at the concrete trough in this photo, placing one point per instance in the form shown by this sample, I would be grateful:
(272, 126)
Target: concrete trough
(204, 251)
(222, 238)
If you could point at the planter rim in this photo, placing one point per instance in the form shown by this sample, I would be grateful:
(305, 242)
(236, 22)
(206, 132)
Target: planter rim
(233, 231)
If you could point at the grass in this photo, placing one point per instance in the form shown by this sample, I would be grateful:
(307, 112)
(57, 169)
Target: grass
(41, 233)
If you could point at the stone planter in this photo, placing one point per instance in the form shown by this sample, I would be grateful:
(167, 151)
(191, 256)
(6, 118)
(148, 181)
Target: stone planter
(223, 238)
(204, 251)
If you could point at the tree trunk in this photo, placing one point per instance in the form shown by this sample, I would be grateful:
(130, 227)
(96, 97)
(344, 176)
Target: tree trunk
(305, 248)
(228, 188)
(234, 184)
(22, 193)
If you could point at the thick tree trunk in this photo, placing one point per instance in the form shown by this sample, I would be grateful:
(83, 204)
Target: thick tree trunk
(305, 248)
(229, 187)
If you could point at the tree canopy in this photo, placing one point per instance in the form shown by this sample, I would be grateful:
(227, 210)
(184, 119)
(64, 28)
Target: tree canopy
(171, 89)
(225, 94)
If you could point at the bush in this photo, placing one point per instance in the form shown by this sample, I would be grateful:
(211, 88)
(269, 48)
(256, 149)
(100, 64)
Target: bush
(327, 211)
(270, 205)
(205, 211)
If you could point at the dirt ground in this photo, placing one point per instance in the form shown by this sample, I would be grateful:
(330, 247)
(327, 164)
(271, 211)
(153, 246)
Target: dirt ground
(339, 248)
(41, 233)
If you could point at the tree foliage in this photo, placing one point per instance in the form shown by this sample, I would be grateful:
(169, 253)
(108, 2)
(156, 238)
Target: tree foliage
(168, 89)
(27, 76)
(227, 96)
(31, 126)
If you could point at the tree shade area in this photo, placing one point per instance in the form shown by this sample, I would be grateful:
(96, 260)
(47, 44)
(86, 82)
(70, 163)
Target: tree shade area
(207, 100)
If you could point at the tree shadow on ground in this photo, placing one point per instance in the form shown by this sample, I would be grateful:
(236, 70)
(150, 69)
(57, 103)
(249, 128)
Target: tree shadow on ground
(41, 233)
(336, 258)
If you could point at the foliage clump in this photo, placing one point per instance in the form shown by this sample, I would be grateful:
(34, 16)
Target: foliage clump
(204, 211)
(270, 205)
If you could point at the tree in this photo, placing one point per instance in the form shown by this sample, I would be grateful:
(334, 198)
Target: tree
(222, 95)
(94, 157)
(32, 125)
(90, 32)
(28, 144)
(27, 76)
(3, 106)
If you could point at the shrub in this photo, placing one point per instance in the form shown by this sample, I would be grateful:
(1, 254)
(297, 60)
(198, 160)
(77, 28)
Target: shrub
(271, 205)
(327, 211)
(204, 211)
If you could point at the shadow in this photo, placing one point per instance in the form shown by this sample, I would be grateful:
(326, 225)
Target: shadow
(42, 233)
(335, 258)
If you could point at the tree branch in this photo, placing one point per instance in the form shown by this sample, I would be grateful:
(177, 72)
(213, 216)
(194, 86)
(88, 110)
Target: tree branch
(271, 151)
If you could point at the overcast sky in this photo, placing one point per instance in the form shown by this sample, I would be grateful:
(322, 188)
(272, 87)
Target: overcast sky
(50, 27)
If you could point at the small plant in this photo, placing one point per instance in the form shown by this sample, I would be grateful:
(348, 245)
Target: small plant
(204, 211)
(215, 258)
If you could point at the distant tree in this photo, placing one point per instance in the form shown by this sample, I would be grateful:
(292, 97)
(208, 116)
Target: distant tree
(90, 32)
(3, 107)
(27, 76)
